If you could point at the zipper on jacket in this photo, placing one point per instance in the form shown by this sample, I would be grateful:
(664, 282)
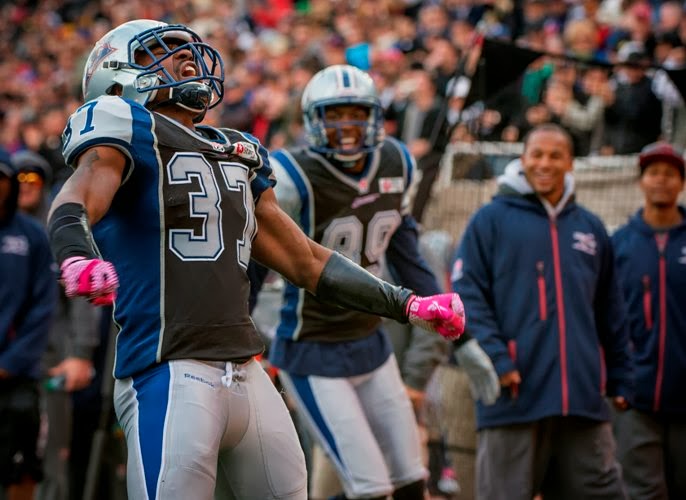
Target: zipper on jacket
(512, 351)
(661, 240)
(603, 371)
(562, 324)
(647, 303)
(542, 306)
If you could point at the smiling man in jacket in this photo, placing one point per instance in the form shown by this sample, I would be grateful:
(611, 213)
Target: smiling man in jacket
(651, 261)
(535, 271)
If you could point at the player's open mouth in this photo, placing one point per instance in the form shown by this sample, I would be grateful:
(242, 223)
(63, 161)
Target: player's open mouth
(189, 70)
(348, 142)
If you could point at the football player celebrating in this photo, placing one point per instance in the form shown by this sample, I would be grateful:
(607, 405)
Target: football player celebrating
(161, 214)
(348, 190)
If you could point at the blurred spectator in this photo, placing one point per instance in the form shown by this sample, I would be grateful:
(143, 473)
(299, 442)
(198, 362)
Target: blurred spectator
(28, 291)
(457, 91)
(534, 80)
(669, 17)
(637, 23)
(52, 123)
(418, 118)
(34, 174)
(46, 42)
(268, 106)
(634, 118)
(665, 43)
(442, 62)
(650, 257)
(235, 111)
(673, 108)
(432, 22)
(578, 104)
(582, 40)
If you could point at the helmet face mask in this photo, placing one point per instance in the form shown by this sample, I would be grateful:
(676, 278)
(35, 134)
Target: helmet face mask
(342, 86)
(115, 62)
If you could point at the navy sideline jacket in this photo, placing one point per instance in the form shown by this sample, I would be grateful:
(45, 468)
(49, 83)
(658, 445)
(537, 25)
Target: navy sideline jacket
(28, 292)
(652, 269)
(541, 296)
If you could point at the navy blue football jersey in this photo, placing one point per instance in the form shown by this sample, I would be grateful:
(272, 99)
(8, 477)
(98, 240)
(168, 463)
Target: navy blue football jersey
(179, 233)
(355, 215)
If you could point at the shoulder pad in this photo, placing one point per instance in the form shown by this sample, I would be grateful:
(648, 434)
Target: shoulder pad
(107, 120)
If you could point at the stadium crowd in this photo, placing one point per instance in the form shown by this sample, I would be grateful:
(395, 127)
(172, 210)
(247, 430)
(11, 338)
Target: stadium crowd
(603, 78)
(412, 49)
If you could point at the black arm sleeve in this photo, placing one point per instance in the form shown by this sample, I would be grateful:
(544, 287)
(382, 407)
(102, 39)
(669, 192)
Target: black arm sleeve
(345, 284)
(70, 233)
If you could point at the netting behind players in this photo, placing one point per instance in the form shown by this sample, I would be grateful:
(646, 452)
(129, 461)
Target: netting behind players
(607, 185)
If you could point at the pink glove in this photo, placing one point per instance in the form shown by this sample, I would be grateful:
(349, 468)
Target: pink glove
(92, 278)
(442, 313)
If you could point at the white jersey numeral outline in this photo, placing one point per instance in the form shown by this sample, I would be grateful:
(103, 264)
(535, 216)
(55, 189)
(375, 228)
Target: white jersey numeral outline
(345, 235)
(205, 203)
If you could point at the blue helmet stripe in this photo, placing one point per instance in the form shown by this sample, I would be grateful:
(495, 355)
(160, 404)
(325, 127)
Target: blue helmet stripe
(346, 79)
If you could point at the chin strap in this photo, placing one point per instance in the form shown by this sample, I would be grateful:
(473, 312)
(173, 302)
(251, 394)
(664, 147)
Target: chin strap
(192, 96)
(345, 162)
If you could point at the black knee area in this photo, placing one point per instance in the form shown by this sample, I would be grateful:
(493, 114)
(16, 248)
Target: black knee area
(412, 491)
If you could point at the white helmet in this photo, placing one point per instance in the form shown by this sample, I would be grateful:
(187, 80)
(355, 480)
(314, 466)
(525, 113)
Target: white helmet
(112, 63)
(336, 85)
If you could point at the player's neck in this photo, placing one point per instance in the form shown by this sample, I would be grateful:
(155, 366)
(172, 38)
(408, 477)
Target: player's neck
(358, 167)
(177, 114)
(662, 217)
(349, 166)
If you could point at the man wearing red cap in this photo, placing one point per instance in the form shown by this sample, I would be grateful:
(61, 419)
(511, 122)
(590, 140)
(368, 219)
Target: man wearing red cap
(651, 260)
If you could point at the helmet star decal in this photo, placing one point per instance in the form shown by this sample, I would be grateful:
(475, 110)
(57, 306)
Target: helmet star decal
(96, 58)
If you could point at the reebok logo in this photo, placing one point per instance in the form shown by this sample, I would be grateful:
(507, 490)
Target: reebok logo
(198, 378)
(16, 245)
(363, 200)
(682, 259)
(584, 242)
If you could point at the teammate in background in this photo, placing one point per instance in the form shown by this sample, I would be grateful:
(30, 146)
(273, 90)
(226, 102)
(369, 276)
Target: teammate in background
(27, 294)
(347, 189)
(651, 258)
(175, 207)
(558, 355)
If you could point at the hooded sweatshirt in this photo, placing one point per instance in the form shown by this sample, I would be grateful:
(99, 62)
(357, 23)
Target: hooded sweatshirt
(541, 297)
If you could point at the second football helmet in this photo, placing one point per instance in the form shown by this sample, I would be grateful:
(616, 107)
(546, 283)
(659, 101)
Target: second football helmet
(338, 85)
(112, 62)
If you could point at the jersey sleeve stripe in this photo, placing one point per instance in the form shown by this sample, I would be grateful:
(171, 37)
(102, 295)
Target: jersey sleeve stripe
(304, 189)
(293, 297)
(407, 159)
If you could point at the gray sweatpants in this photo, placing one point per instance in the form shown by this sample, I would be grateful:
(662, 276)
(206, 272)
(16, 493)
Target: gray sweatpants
(652, 451)
(560, 457)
